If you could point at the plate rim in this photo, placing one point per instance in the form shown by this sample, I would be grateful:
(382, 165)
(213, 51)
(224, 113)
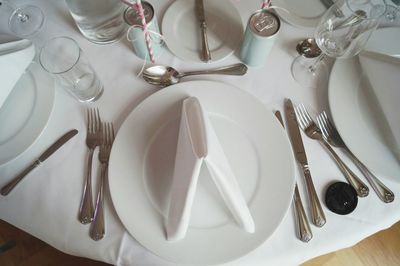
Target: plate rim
(359, 116)
(49, 92)
(290, 176)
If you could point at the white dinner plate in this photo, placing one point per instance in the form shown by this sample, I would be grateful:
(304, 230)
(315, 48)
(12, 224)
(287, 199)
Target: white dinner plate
(181, 29)
(25, 113)
(303, 14)
(142, 161)
(354, 111)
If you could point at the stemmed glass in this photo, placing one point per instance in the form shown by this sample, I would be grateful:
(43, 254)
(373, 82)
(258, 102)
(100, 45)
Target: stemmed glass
(23, 21)
(341, 33)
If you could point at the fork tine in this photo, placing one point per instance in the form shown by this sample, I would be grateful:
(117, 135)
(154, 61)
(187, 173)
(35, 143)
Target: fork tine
(322, 125)
(112, 133)
(306, 113)
(88, 119)
(328, 122)
(300, 118)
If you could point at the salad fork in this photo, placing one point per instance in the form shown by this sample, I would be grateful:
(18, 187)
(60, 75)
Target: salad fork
(332, 136)
(97, 229)
(313, 131)
(94, 138)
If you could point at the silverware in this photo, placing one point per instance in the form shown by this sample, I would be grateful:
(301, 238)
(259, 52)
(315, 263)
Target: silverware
(332, 136)
(318, 216)
(93, 139)
(5, 190)
(308, 48)
(303, 227)
(313, 131)
(97, 229)
(165, 76)
(205, 51)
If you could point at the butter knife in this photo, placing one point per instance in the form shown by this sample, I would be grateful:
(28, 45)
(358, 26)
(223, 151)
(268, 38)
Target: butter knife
(304, 232)
(318, 216)
(5, 190)
(205, 51)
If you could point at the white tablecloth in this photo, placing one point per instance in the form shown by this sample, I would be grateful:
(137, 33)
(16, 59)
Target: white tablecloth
(46, 203)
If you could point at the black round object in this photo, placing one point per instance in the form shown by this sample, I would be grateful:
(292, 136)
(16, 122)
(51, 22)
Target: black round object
(341, 198)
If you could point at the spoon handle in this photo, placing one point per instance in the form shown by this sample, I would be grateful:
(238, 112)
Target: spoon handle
(236, 69)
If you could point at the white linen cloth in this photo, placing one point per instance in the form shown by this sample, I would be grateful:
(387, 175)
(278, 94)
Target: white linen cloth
(45, 204)
(15, 57)
(197, 144)
(382, 72)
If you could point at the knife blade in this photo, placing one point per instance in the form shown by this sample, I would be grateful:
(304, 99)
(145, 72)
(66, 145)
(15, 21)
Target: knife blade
(5, 190)
(205, 51)
(318, 216)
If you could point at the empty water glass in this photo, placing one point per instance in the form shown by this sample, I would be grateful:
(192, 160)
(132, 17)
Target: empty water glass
(63, 57)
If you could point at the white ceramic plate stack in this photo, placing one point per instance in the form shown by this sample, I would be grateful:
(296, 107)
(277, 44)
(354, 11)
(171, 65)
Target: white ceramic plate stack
(356, 113)
(142, 161)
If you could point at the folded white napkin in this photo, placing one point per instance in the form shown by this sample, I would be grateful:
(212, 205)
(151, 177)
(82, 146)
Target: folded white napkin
(15, 57)
(198, 143)
(383, 73)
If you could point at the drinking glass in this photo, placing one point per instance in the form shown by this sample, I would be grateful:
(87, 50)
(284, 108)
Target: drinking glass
(63, 57)
(23, 21)
(341, 33)
(100, 21)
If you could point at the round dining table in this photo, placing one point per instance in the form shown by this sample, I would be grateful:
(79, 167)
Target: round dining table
(45, 204)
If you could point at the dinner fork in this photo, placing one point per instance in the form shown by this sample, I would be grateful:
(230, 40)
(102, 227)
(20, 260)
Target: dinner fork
(313, 131)
(97, 229)
(332, 136)
(94, 138)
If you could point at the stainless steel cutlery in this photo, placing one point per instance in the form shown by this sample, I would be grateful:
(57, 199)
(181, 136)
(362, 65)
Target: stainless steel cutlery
(331, 135)
(94, 138)
(318, 216)
(97, 229)
(304, 232)
(5, 190)
(311, 129)
(205, 51)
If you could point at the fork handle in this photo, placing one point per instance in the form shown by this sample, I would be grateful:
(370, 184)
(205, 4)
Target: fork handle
(97, 229)
(384, 193)
(303, 227)
(86, 207)
(361, 189)
(318, 216)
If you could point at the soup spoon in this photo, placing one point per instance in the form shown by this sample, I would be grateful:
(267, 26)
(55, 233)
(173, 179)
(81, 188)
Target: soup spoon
(166, 75)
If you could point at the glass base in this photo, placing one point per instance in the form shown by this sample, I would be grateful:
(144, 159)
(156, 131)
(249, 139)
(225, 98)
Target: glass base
(26, 21)
(307, 73)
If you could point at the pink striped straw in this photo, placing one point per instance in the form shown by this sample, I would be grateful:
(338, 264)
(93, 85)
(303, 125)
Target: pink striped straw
(265, 4)
(140, 11)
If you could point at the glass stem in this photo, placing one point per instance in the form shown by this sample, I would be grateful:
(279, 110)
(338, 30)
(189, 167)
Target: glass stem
(316, 63)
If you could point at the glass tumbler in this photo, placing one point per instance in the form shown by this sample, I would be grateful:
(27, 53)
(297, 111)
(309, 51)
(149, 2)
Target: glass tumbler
(63, 57)
(100, 21)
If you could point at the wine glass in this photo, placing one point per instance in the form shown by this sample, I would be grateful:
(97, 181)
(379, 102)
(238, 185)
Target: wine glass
(341, 33)
(23, 21)
(392, 14)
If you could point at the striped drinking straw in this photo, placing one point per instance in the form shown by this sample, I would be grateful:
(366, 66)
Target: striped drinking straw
(265, 4)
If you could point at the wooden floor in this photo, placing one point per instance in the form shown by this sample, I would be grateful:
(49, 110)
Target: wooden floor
(382, 248)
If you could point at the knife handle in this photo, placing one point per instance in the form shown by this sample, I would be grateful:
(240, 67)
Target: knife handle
(303, 227)
(5, 190)
(318, 216)
(205, 51)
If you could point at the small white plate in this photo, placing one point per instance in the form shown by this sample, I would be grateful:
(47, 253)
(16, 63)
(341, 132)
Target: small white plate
(354, 112)
(304, 13)
(142, 161)
(181, 29)
(25, 113)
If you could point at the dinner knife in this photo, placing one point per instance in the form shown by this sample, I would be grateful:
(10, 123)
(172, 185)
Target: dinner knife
(205, 51)
(304, 232)
(318, 216)
(5, 190)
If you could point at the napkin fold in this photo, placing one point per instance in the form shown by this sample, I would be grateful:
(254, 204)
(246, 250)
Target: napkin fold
(383, 74)
(198, 144)
(15, 57)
